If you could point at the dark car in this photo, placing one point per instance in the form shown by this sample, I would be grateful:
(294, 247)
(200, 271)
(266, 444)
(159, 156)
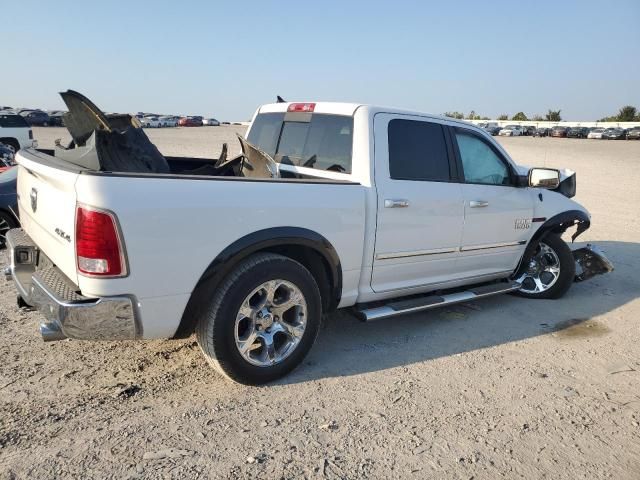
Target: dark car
(36, 117)
(190, 122)
(633, 133)
(559, 132)
(8, 203)
(55, 118)
(491, 128)
(614, 134)
(578, 132)
(529, 130)
(542, 132)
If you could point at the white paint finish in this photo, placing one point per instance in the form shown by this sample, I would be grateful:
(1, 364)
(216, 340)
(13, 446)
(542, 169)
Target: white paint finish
(56, 209)
(431, 221)
(172, 237)
(161, 315)
(20, 134)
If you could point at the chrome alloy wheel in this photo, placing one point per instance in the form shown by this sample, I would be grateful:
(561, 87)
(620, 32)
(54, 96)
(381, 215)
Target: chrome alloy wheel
(542, 272)
(270, 323)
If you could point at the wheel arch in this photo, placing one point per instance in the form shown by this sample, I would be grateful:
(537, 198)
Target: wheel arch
(305, 246)
(11, 141)
(557, 224)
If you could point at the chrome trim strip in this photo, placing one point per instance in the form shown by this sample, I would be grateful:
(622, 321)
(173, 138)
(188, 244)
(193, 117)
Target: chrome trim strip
(493, 245)
(464, 281)
(415, 253)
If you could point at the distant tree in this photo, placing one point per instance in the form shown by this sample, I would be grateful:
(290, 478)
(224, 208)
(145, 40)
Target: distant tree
(504, 116)
(627, 114)
(457, 115)
(554, 116)
(520, 116)
(485, 118)
(537, 118)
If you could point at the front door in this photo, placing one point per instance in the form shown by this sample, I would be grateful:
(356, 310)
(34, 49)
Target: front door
(420, 209)
(497, 213)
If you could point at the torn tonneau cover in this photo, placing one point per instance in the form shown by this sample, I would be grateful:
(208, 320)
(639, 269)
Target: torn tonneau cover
(117, 143)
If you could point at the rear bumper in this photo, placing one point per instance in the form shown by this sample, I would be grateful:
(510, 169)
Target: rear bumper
(67, 313)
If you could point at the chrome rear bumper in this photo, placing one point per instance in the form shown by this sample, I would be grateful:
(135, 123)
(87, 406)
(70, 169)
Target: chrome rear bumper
(68, 314)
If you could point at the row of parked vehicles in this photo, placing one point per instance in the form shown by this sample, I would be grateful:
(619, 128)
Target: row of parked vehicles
(612, 133)
(54, 118)
(155, 121)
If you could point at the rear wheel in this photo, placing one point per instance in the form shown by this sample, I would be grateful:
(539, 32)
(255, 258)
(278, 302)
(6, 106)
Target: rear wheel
(12, 142)
(549, 273)
(7, 222)
(262, 321)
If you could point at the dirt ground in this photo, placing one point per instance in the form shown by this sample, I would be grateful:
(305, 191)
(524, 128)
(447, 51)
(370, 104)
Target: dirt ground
(499, 388)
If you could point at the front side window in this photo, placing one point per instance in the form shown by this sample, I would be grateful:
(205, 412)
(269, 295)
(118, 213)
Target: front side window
(480, 162)
(418, 151)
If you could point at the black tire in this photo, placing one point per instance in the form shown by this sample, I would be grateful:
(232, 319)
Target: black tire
(12, 142)
(7, 222)
(216, 325)
(567, 270)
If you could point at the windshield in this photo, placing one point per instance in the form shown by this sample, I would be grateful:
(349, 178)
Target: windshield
(315, 140)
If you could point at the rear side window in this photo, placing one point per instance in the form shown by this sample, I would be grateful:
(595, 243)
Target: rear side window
(12, 121)
(319, 141)
(418, 151)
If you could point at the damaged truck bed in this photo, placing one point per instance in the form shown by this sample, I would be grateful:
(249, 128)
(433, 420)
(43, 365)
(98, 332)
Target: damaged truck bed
(117, 143)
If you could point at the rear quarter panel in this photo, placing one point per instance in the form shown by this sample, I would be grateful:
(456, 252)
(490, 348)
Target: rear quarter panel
(173, 228)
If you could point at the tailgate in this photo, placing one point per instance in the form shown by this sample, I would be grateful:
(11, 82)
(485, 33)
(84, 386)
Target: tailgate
(47, 204)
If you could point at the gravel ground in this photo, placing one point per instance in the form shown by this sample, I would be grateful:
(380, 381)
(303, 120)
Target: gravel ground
(499, 388)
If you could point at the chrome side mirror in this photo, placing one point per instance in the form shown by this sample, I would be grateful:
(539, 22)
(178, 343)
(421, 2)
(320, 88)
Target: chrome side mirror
(544, 178)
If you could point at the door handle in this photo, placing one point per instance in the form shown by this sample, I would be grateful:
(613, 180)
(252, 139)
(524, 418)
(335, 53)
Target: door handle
(395, 203)
(477, 203)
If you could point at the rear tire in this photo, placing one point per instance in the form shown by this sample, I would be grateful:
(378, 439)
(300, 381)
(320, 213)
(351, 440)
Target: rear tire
(550, 272)
(12, 142)
(7, 222)
(248, 331)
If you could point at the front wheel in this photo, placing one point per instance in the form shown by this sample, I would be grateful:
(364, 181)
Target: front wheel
(262, 320)
(549, 273)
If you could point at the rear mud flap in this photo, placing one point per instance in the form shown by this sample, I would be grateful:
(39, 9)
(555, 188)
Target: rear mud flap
(590, 261)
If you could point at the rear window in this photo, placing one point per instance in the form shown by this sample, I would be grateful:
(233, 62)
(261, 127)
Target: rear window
(317, 140)
(12, 121)
(417, 151)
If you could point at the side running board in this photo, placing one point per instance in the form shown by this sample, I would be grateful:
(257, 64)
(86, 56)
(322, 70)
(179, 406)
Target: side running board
(417, 304)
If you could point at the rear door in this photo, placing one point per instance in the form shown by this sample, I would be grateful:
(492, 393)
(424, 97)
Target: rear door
(497, 213)
(420, 211)
(47, 205)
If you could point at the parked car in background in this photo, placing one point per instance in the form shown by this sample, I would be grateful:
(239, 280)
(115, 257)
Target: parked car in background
(596, 133)
(7, 157)
(633, 133)
(529, 130)
(559, 132)
(150, 122)
(8, 203)
(168, 120)
(16, 132)
(511, 131)
(211, 122)
(55, 118)
(36, 117)
(190, 122)
(578, 132)
(614, 134)
(542, 132)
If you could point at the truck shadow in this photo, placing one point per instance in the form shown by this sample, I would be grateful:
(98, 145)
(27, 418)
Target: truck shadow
(347, 346)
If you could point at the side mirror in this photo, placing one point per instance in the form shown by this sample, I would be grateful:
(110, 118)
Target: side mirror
(544, 178)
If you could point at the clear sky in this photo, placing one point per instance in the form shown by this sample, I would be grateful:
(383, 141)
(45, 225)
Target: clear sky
(223, 59)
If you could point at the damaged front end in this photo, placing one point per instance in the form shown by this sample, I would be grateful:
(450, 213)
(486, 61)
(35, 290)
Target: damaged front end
(590, 261)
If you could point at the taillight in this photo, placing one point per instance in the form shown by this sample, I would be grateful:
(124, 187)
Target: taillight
(99, 251)
(30, 134)
(301, 107)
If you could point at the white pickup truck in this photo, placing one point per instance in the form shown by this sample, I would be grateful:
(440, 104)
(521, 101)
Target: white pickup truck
(334, 205)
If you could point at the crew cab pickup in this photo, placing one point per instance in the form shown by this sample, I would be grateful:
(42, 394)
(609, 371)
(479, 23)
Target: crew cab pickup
(331, 205)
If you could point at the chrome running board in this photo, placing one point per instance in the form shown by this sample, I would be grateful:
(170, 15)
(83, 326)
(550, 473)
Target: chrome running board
(425, 302)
